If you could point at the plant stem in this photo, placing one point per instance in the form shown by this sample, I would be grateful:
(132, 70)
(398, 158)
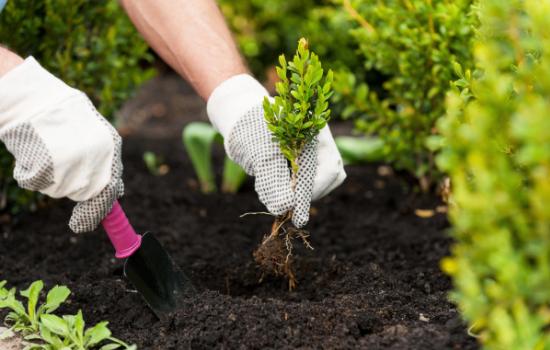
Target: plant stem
(293, 180)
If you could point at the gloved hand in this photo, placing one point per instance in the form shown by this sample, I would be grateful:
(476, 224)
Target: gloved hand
(235, 110)
(62, 146)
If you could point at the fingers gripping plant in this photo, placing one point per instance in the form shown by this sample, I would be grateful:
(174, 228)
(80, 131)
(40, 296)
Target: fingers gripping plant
(295, 118)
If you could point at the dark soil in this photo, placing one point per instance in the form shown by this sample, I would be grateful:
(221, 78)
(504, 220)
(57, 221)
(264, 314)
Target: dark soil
(372, 282)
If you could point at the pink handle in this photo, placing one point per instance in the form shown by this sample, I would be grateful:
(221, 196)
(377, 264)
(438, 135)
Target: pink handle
(122, 235)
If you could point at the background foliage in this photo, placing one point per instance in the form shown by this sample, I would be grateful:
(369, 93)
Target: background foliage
(87, 44)
(393, 61)
(413, 44)
(498, 155)
(264, 29)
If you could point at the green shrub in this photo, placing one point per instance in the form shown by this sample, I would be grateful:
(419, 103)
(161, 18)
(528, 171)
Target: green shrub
(498, 157)
(393, 61)
(413, 45)
(91, 45)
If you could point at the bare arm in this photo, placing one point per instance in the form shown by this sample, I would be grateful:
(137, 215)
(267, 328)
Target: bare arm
(192, 37)
(8, 60)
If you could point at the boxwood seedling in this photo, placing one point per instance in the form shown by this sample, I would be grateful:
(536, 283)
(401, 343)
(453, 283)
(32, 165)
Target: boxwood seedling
(295, 118)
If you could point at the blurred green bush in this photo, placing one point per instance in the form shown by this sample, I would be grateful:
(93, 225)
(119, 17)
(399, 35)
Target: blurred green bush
(497, 153)
(266, 28)
(91, 45)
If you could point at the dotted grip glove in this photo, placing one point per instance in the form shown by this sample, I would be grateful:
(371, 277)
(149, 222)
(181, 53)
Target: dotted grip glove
(235, 109)
(62, 146)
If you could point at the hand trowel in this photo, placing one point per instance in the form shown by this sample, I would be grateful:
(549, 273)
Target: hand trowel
(148, 266)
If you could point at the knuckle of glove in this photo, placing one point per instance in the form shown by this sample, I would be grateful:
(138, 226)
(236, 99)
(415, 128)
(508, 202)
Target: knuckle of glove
(302, 203)
(300, 220)
(34, 165)
(88, 215)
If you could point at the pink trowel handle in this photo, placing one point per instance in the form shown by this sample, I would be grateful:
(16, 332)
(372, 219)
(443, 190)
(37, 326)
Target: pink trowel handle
(122, 235)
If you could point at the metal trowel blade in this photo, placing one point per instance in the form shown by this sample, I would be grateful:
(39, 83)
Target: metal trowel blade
(157, 278)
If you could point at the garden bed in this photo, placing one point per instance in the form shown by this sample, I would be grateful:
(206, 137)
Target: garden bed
(373, 280)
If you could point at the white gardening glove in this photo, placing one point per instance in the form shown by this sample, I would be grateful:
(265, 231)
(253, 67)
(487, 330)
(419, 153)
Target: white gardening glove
(62, 146)
(235, 109)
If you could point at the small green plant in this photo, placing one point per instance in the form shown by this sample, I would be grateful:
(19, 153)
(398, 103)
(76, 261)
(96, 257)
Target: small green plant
(69, 332)
(295, 118)
(198, 139)
(300, 110)
(41, 329)
(233, 176)
(497, 153)
(155, 164)
(26, 320)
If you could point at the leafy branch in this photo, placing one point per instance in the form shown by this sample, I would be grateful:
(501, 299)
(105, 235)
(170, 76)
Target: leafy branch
(300, 110)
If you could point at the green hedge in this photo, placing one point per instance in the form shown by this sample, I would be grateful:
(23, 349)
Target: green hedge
(498, 156)
(414, 44)
(91, 45)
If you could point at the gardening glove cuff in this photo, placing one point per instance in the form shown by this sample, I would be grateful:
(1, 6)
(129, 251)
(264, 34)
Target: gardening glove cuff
(229, 102)
(62, 146)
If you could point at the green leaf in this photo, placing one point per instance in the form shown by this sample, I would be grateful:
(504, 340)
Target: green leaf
(317, 75)
(282, 62)
(56, 296)
(50, 338)
(55, 324)
(32, 293)
(97, 334)
(13, 304)
(281, 73)
(198, 139)
(79, 325)
(458, 69)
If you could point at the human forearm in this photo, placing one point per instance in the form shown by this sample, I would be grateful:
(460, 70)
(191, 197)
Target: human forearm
(8, 60)
(192, 37)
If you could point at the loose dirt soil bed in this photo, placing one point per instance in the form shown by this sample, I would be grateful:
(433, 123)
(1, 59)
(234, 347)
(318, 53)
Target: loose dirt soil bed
(372, 281)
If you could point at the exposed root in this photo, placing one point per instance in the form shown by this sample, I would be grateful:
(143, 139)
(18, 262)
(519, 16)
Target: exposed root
(274, 255)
